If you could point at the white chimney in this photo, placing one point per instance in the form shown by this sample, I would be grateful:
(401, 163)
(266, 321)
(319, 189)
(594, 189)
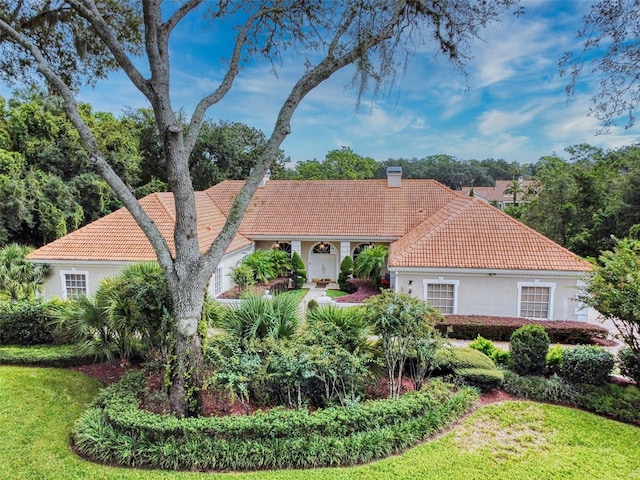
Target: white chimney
(265, 179)
(394, 177)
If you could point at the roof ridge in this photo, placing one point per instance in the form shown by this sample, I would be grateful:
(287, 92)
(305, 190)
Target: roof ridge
(156, 195)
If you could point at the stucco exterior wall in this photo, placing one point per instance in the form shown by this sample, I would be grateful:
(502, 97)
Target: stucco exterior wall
(96, 271)
(497, 294)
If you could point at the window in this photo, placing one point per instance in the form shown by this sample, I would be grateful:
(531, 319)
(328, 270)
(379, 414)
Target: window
(74, 283)
(441, 294)
(216, 282)
(535, 300)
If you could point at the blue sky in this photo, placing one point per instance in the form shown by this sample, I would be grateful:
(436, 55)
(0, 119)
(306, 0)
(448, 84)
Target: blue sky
(515, 107)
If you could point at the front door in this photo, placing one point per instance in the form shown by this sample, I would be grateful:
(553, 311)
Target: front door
(323, 261)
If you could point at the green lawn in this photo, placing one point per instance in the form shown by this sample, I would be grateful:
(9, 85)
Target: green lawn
(515, 440)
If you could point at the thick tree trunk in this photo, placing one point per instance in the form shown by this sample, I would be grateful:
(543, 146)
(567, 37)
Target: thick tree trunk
(186, 365)
(185, 389)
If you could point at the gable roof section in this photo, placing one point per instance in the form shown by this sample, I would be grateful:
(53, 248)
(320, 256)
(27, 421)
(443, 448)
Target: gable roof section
(117, 237)
(321, 208)
(468, 233)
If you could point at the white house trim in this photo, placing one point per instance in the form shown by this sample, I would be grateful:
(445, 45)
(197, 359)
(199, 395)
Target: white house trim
(441, 281)
(73, 271)
(537, 283)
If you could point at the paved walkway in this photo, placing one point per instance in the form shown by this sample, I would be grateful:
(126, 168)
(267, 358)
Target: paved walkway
(315, 293)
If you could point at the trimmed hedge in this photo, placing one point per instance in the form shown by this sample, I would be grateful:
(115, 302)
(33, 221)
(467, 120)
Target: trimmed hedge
(481, 378)
(451, 359)
(116, 430)
(528, 349)
(44, 356)
(587, 364)
(25, 322)
(499, 329)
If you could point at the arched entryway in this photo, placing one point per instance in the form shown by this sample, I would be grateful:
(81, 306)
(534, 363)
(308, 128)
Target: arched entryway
(323, 261)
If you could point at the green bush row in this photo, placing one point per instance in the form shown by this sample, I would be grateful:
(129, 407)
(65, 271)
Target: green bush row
(44, 356)
(614, 401)
(115, 430)
(499, 329)
(25, 322)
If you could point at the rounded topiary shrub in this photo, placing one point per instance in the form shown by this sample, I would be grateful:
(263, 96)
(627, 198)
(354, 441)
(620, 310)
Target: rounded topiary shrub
(528, 348)
(629, 364)
(587, 364)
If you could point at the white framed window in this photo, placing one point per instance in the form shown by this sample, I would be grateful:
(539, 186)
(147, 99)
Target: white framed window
(535, 300)
(216, 282)
(74, 283)
(442, 294)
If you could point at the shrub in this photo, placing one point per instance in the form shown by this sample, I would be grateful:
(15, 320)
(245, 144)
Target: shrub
(450, 360)
(25, 322)
(499, 356)
(629, 364)
(346, 270)
(298, 272)
(243, 276)
(553, 389)
(44, 355)
(313, 304)
(400, 321)
(587, 364)
(481, 378)
(114, 430)
(528, 348)
(501, 328)
(554, 358)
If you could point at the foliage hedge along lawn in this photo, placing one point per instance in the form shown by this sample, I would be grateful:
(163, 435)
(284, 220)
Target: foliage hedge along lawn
(499, 329)
(115, 430)
(44, 356)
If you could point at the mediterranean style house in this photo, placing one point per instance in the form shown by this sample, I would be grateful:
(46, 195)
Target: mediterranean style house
(458, 253)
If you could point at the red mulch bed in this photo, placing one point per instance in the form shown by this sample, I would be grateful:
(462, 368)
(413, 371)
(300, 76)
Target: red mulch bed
(219, 405)
(365, 290)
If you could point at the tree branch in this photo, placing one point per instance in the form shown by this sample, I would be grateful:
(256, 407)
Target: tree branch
(89, 142)
(310, 80)
(227, 82)
(179, 14)
(88, 10)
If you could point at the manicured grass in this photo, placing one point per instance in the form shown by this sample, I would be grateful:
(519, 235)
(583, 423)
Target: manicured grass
(297, 295)
(336, 293)
(42, 355)
(515, 440)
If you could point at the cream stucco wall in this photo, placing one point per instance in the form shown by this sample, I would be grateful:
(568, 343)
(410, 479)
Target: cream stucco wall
(496, 293)
(96, 271)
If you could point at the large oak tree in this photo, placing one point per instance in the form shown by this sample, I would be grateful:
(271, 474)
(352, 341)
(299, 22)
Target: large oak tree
(68, 42)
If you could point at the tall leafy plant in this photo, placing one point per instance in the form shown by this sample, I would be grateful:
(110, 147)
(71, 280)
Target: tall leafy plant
(402, 323)
(370, 262)
(298, 271)
(20, 279)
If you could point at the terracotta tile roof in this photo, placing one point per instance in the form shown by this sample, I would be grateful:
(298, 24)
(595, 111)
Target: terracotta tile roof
(117, 237)
(432, 226)
(496, 193)
(468, 233)
(366, 208)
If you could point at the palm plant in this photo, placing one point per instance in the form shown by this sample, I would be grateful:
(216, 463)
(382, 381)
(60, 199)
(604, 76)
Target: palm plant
(514, 188)
(370, 263)
(349, 325)
(19, 278)
(262, 265)
(257, 318)
(281, 261)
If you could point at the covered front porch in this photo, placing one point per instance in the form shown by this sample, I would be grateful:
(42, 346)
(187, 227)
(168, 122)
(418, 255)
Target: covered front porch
(322, 256)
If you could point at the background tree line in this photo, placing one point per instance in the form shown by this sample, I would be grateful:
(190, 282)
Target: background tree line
(47, 187)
